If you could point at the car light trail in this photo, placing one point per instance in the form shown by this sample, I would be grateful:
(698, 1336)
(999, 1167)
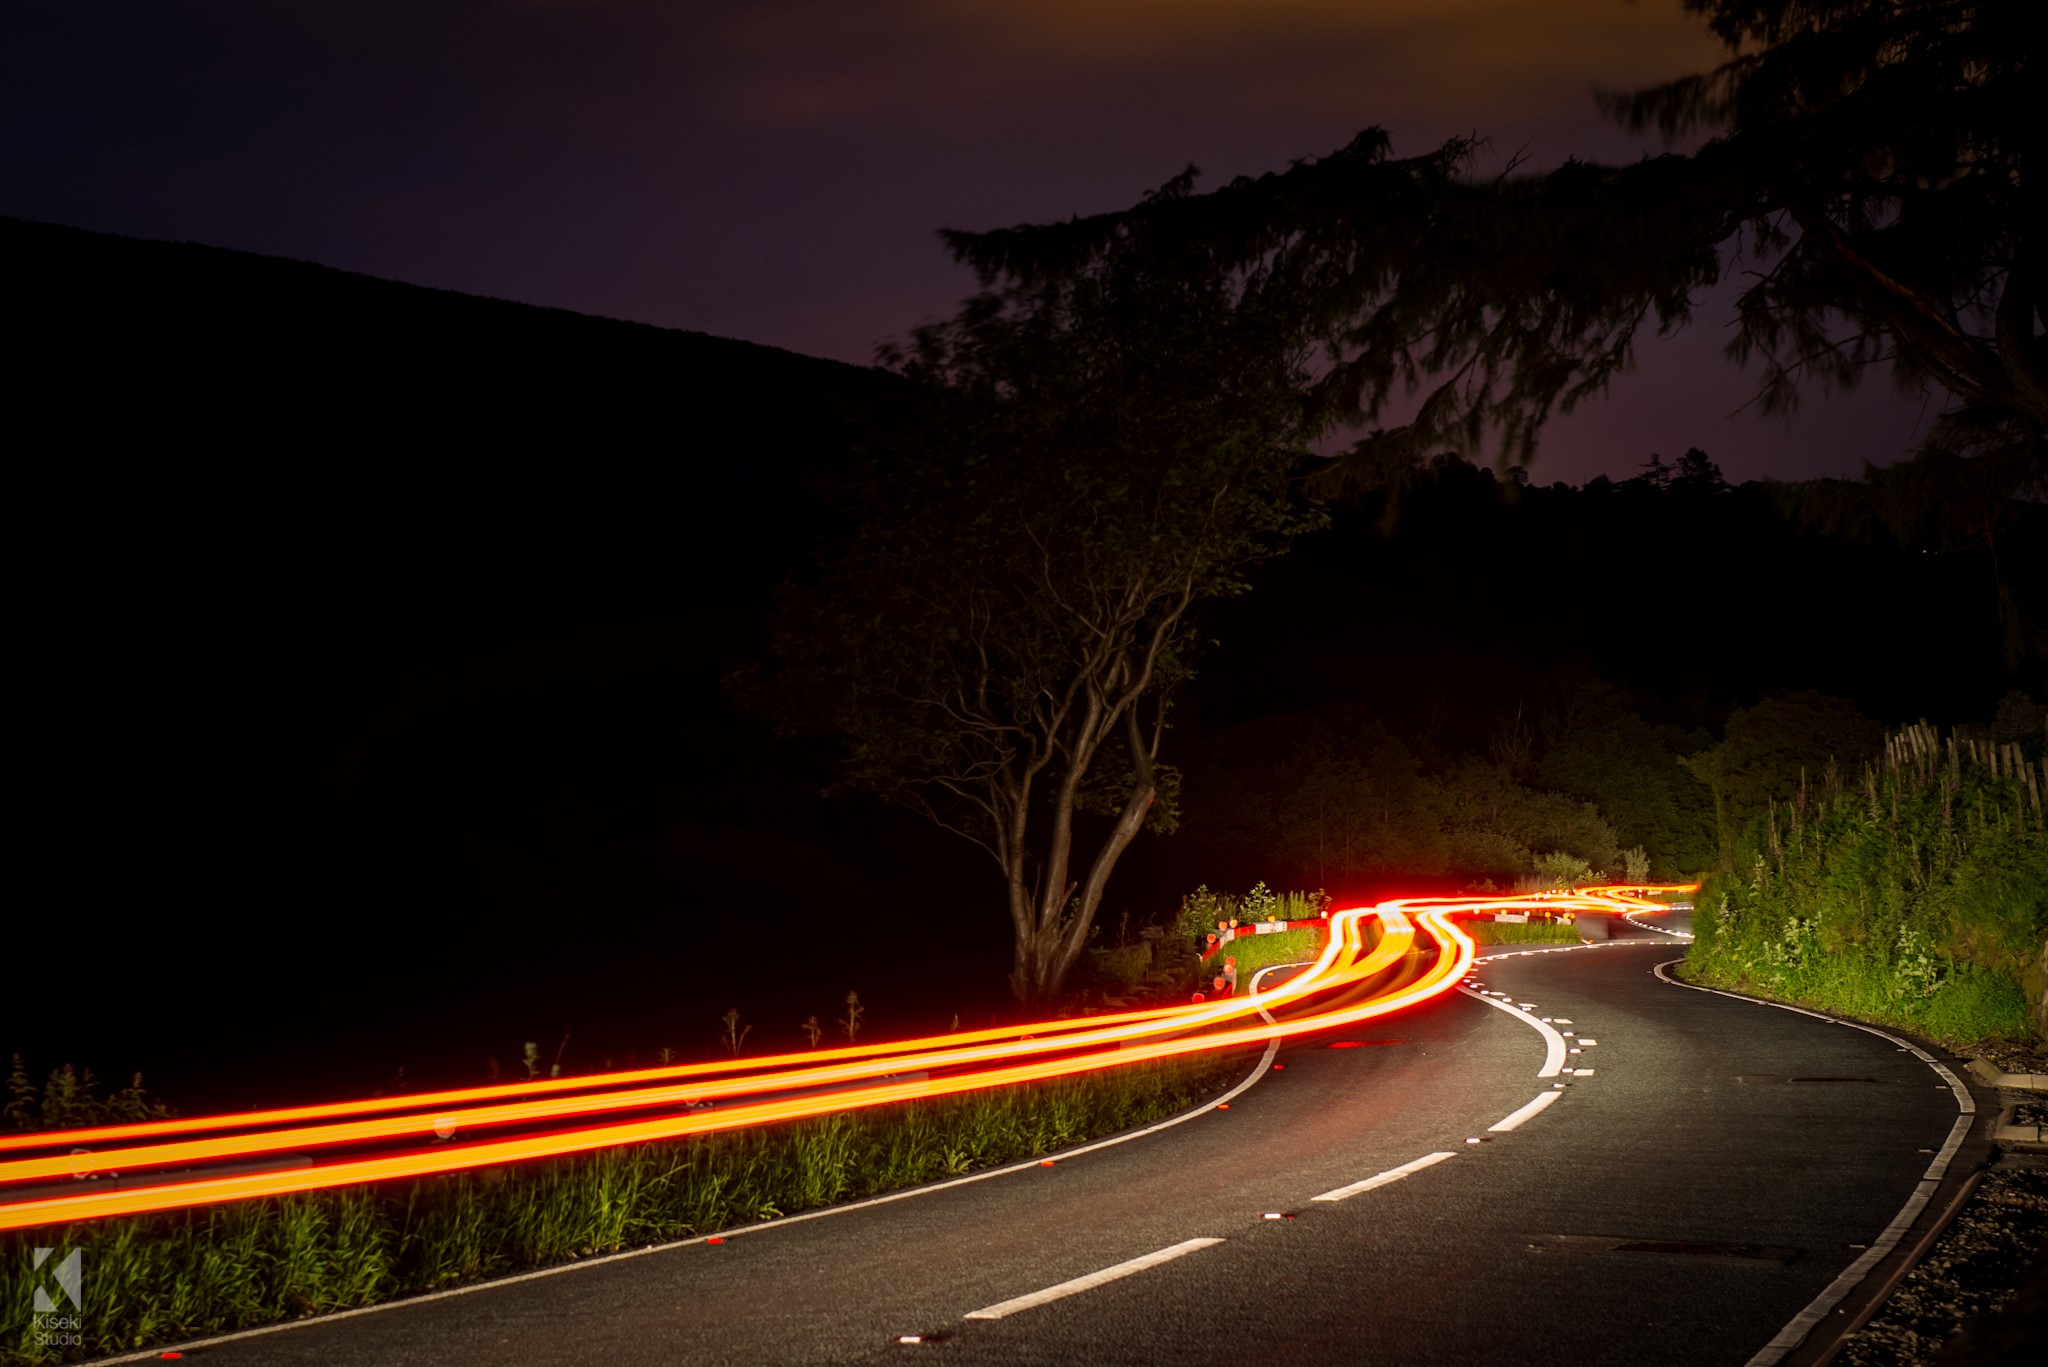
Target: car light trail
(1397, 936)
(415, 1101)
(983, 1059)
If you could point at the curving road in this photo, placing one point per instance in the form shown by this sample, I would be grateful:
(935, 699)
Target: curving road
(1721, 1166)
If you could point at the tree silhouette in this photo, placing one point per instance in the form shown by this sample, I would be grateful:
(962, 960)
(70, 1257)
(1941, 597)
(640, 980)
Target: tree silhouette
(998, 636)
(1866, 171)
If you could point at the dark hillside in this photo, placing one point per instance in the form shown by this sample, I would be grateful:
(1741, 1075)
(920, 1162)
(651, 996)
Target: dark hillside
(368, 670)
(240, 346)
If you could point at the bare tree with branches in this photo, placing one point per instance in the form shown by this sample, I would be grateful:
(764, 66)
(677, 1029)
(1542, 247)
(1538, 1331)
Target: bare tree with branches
(998, 638)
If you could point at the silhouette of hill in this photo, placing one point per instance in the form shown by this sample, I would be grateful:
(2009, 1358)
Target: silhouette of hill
(314, 353)
(311, 414)
(373, 655)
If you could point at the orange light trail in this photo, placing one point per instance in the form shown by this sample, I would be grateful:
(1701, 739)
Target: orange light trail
(990, 1058)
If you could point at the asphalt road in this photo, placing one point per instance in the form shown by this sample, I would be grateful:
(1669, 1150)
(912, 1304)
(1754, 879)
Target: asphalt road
(1679, 1204)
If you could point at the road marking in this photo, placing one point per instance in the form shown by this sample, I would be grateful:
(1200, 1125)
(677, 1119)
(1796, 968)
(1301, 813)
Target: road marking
(1091, 1281)
(1553, 1052)
(1533, 1108)
(1390, 1175)
(1802, 1324)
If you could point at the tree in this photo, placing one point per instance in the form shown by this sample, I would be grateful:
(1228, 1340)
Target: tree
(1334, 797)
(1774, 749)
(1867, 167)
(998, 636)
(1610, 756)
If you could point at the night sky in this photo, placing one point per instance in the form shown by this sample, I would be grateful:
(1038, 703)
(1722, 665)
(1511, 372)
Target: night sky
(774, 170)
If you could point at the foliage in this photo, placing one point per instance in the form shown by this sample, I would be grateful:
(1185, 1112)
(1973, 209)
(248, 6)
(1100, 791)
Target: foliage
(1122, 967)
(158, 1279)
(1635, 865)
(1865, 168)
(1606, 754)
(856, 1014)
(1331, 797)
(1869, 150)
(1915, 892)
(1501, 300)
(1773, 750)
(1201, 911)
(1561, 870)
(1881, 159)
(1539, 932)
(68, 1100)
(1255, 952)
(732, 1036)
(998, 637)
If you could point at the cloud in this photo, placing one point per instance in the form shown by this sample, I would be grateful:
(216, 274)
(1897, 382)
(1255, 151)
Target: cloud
(1372, 60)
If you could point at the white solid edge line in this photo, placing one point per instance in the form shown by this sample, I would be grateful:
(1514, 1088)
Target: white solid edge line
(1795, 1331)
(1091, 1281)
(1532, 1109)
(1553, 1043)
(1023, 1165)
(1381, 1179)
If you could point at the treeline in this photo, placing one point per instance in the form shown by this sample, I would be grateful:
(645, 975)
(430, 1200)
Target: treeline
(1579, 786)
(1473, 674)
(1335, 796)
(1911, 888)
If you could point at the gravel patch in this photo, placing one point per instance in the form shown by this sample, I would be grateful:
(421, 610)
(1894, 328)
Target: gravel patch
(1990, 1254)
(2011, 1056)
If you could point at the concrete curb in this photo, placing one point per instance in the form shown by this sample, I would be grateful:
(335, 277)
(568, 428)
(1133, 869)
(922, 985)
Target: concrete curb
(1987, 1072)
(2007, 1132)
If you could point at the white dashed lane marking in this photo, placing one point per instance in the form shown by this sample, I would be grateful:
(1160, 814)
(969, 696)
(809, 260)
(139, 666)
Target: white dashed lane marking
(1091, 1281)
(1533, 1108)
(1390, 1175)
(1553, 1053)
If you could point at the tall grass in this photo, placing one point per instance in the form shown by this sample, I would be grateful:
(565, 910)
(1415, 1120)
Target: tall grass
(1201, 910)
(157, 1279)
(69, 1098)
(1255, 952)
(1915, 895)
(1517, 933)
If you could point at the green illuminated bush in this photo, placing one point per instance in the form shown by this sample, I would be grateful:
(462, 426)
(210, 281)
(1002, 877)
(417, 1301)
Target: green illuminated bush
(1916, 895)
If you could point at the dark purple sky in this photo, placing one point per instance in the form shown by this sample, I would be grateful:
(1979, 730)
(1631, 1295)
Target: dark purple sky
(775, 169)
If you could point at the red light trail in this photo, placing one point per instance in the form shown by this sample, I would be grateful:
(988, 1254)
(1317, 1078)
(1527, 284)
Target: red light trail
(747, 1092)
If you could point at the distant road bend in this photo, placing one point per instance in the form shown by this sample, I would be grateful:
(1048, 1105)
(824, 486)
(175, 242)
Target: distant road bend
(1552, 1154)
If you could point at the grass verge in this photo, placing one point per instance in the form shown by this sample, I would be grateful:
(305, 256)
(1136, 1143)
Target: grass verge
(160, 1279)
(1255, 952)
(1517, 933)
